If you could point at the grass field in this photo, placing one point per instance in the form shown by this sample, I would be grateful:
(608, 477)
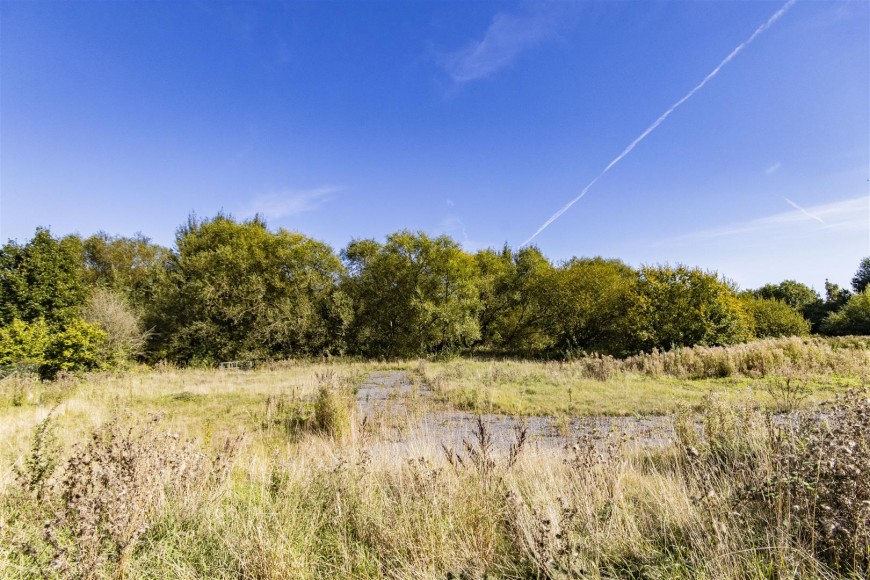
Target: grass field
(657, 383)
(270, 473)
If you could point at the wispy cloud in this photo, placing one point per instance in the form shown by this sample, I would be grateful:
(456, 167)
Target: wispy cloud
(507, 36)
(844, 215)
(454, 227)
(290, 202)
(805, 212)
(773, 168)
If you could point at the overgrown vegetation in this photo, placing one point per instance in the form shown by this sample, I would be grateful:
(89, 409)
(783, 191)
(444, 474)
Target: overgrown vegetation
(797, 370)
(194, 473)
(232, 290)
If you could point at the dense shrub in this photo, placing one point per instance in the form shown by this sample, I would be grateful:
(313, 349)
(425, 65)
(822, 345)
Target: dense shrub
(232, 290)
(237, 290)
(684, 306)
(78, 346)
(23, 343)
(853, 318)
(772, 318)
(41, 279)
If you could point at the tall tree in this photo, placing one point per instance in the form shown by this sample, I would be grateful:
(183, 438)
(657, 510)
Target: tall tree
(235, 290)
(512, 287)
(852, 318)
(41, 279)
(687, 306)
(129, 265)
(798, 296)
(862, 276)
(412, 295)
(595, 307)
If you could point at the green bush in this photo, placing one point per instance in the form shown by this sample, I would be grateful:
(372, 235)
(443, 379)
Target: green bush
(682, 306)
(77, 347)
(23, 343)
(773, 318)
(853, 318)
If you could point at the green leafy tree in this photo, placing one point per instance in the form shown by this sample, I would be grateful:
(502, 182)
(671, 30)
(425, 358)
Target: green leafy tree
(41, 279)
(818, 311)
(684, 306)
(853, 318)
(835, 297)
(512, 287)
(237, 290)
(772, 318)
(798, 296)
(129, 265)
(594, 307)
(862, 276)
(412, 295)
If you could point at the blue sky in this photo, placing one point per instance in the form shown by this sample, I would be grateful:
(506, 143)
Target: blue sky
(475, 119)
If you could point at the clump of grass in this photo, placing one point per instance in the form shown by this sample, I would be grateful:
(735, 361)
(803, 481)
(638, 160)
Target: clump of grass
(16, 388)
(333, 408)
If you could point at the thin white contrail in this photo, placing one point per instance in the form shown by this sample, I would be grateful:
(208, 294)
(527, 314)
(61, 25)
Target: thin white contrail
(664, 116)
(805, 212)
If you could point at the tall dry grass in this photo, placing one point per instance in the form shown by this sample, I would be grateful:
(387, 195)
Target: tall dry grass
(164, 509)
(234, 477)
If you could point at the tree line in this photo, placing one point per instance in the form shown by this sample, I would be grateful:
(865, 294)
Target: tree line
(231, 290)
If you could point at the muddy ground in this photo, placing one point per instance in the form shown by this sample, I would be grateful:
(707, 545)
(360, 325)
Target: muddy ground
(402, 407)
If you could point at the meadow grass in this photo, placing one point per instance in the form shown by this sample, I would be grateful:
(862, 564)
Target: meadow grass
(190, 473)
(657, 383)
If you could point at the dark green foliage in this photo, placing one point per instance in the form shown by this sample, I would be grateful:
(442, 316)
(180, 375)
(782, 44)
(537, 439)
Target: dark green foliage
(513, 287)
(835, 299)
(853, 318)
(41, 279)
(237, 290)
(862, 276)
(593, 306)
(798, 296)
(127, 265)
(233, 290)
(412, 295)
